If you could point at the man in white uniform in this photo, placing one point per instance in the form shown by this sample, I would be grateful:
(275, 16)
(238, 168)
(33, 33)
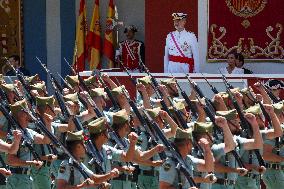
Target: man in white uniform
(181, 51)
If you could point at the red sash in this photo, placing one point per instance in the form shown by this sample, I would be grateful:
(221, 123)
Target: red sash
(185, 59)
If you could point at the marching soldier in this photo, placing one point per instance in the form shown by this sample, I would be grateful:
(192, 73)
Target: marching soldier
(227, 166)
(131, 51)
(41, 177)
(120, 124)
(181, 50)
(21, 162)
(107, 154)
(170, 176)
(69, 175)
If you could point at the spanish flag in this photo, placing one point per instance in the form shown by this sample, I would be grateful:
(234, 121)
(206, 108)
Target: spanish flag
(109, 35)
(80, 48)
(94, 39)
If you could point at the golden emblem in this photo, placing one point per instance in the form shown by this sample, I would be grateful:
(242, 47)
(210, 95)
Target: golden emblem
(273, 49)
(246, 8)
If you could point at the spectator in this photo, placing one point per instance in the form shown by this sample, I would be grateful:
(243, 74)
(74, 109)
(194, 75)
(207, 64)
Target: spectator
(15, 62)
(231, 68)
(240, 61)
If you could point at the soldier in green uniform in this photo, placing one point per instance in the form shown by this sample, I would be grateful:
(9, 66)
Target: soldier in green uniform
(170, 176)
(69, 176)
(226, 165)
(205, 130)
(120, 124)
(252, 178)
(99, 136)
(41, 177)
(273, 154)
(21, 162)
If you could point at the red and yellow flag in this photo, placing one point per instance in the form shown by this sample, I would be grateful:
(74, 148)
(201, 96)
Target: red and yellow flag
(94, 39)
(80, 46)
(109, 35)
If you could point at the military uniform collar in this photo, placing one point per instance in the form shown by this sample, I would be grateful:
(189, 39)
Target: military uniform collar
(181, 32)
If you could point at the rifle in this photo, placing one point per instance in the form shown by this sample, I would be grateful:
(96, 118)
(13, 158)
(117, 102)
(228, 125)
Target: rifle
(155, 86)
(131, 78)
(52, 78)
(181, 164)
(190, 105)
(244, 123)
(108, 91)
(270, 94)
(214, 90)
(209, 108)
(70, 67)
(154, 138)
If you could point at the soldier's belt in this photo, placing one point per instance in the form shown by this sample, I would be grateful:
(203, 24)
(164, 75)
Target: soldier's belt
(150, 172)
(23, 171)
(124, 177)
(181, 59)
(225, 182)
(46, 163)
(251, 175)
(275, 166)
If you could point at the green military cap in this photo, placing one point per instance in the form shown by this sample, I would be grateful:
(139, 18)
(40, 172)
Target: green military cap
(118, 90)
(71, 97)
(203, 127)
(153, 112)
(278, 107)
(237, 89)
(38, 86)
(183, 134)
(42, 101)
(90, 80)
(229, 115)
(8, 87)
(144, 80)
(224, 95)
(178, 106)
(244, 91)
(74, 136)
(255, 110)
(98, 92)
(97, 126)
(120, 117)
(168, 81)
(18, 106)
(32, 79)
(72, 80)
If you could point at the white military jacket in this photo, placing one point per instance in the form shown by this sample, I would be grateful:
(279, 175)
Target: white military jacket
(187, 43)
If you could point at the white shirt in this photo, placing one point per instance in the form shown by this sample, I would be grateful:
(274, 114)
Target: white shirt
(235, 70)
(187, 42)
